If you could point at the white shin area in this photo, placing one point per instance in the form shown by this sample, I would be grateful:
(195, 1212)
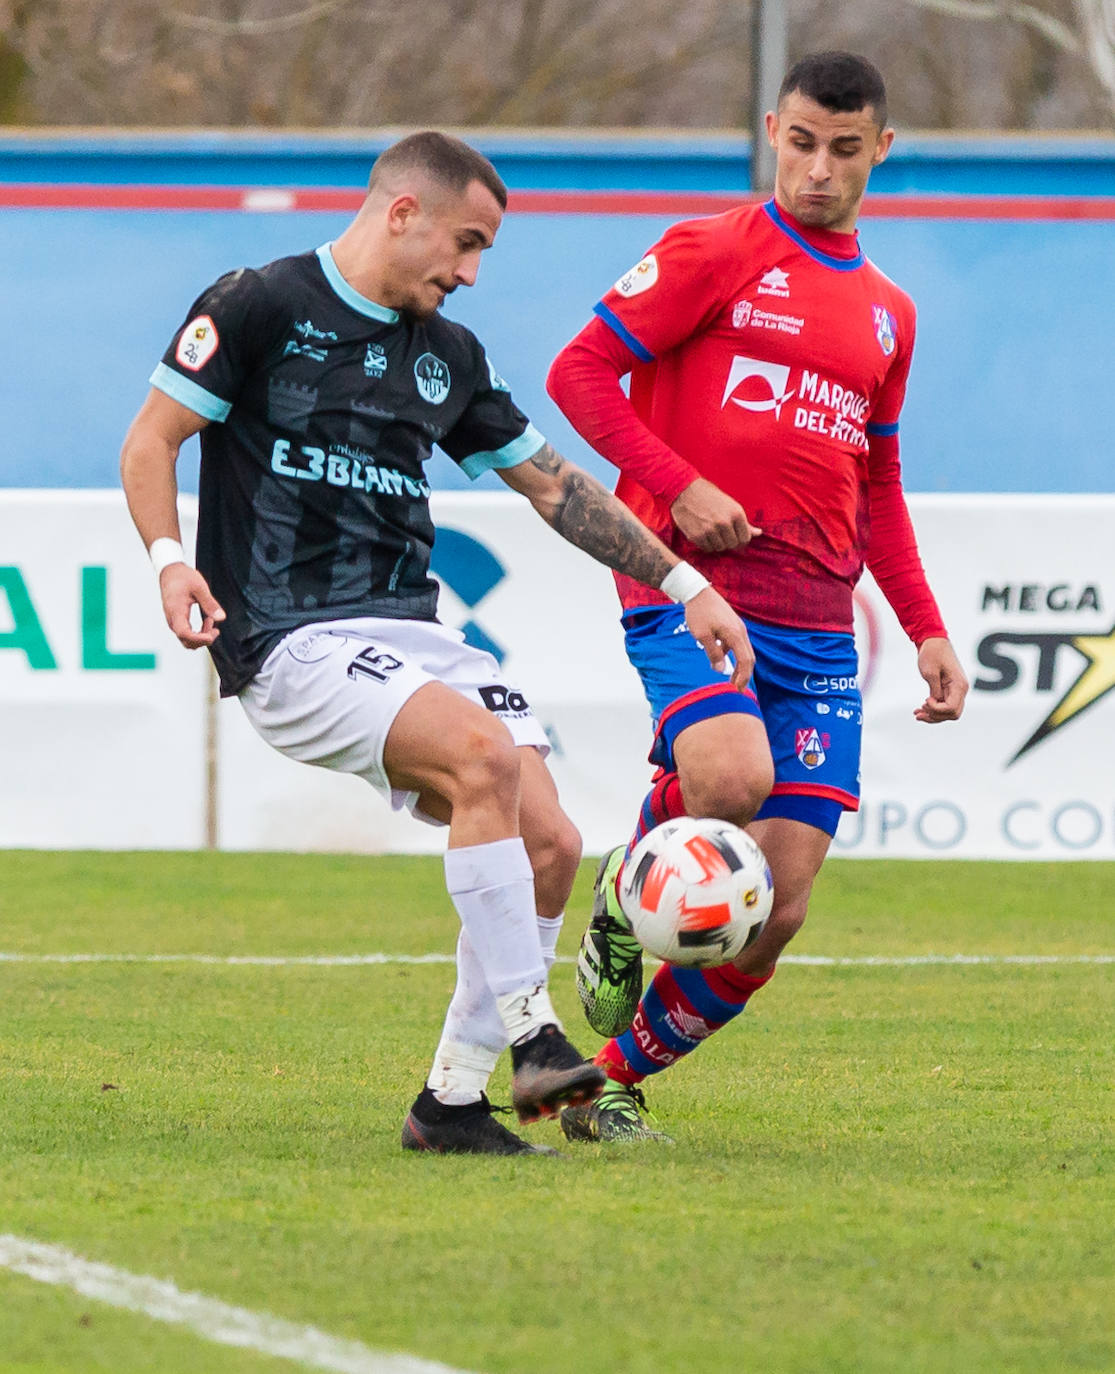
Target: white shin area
(474, 1034)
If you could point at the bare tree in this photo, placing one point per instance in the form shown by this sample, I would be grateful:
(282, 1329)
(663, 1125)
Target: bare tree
(570, 63)
(1086, 31)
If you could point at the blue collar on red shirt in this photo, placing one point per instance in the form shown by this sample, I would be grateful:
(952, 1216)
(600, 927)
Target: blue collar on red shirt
(792, 229)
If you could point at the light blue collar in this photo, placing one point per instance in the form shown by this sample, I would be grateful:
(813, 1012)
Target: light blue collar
(349, 294)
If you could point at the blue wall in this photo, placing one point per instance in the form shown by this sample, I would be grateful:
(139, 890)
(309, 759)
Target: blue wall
(655, 161)
(1012, 365)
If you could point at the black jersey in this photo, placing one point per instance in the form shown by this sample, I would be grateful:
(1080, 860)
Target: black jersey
(313, 502)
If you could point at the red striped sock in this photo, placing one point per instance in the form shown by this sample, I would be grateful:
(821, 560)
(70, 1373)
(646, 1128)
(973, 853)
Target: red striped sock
(680, 1008)
(663, 802)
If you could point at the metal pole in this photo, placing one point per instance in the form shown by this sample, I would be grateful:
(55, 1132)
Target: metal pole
(212, 760)
(769, 49)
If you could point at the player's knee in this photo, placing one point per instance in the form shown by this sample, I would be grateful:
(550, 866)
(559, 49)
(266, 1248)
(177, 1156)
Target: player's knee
(786, 920)
(488, 763)
(555, 853)
(728, 793)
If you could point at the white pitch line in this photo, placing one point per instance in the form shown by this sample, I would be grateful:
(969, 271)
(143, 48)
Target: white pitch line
(354, 960)
(946, 960)
(266, 960)
(216, 1321)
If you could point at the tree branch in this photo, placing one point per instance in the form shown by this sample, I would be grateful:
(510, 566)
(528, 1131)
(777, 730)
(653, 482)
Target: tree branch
(1057, 32)
(201, 23)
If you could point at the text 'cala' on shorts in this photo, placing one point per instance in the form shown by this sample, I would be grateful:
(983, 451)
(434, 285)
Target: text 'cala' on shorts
(804, 689)
(329, 693)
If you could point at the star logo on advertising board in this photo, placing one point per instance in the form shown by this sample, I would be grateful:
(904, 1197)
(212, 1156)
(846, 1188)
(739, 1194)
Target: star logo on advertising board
(1093, 683)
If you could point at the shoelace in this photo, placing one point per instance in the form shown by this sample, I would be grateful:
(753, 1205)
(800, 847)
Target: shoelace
(618, 951)
(630, 1101)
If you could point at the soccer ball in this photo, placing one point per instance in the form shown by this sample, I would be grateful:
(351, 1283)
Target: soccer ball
(696, 891)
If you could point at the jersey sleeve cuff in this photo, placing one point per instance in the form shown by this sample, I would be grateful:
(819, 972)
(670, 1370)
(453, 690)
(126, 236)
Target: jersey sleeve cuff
(189, 394)
(617, 326)
(509, 456)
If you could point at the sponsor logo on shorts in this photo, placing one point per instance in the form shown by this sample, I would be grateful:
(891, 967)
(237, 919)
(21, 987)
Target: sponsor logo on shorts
(197, 343)
(312, 648)
(505, 701)
(810, 746)
(432, 376)
(819, 684)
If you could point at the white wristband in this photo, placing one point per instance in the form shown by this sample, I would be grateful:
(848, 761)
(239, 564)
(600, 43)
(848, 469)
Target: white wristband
(164, 552)
(683, 582)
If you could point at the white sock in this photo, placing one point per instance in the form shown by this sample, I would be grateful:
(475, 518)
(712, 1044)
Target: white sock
(474, 1035)
(492, 887)
(549, 928)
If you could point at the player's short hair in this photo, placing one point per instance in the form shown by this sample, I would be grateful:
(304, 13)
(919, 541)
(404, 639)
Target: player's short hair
(447, 160)
(838, 81)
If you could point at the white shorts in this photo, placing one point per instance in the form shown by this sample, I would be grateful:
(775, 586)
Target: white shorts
(329, 693)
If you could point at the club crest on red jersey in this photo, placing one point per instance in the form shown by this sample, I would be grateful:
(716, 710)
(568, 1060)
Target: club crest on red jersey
(886, 328)
(741, 314)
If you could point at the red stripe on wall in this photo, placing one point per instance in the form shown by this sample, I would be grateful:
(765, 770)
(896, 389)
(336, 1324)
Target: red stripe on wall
(79, 196)
(879, 207)
(262, 199)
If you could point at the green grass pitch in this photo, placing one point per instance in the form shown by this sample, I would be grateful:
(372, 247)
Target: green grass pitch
(878, 1168)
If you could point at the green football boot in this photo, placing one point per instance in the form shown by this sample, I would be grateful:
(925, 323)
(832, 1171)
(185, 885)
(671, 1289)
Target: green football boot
(610, 964)
(616, 1115)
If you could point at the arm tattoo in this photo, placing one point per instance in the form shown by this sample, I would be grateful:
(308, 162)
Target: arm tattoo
(593, 520)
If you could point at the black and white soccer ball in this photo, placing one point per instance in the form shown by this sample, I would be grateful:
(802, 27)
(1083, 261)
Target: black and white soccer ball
(696, 891)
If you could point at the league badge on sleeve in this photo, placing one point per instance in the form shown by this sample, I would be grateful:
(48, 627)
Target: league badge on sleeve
(641, 277)
(885, 327)
(197, 343)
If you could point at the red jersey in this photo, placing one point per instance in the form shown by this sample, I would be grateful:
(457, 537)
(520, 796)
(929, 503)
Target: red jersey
(772, 360)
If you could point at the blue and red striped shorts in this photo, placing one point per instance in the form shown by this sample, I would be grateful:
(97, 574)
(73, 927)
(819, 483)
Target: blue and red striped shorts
(804, 689)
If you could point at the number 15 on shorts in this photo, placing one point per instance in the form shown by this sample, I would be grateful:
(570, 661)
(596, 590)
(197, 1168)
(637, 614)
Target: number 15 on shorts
(373, 663)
